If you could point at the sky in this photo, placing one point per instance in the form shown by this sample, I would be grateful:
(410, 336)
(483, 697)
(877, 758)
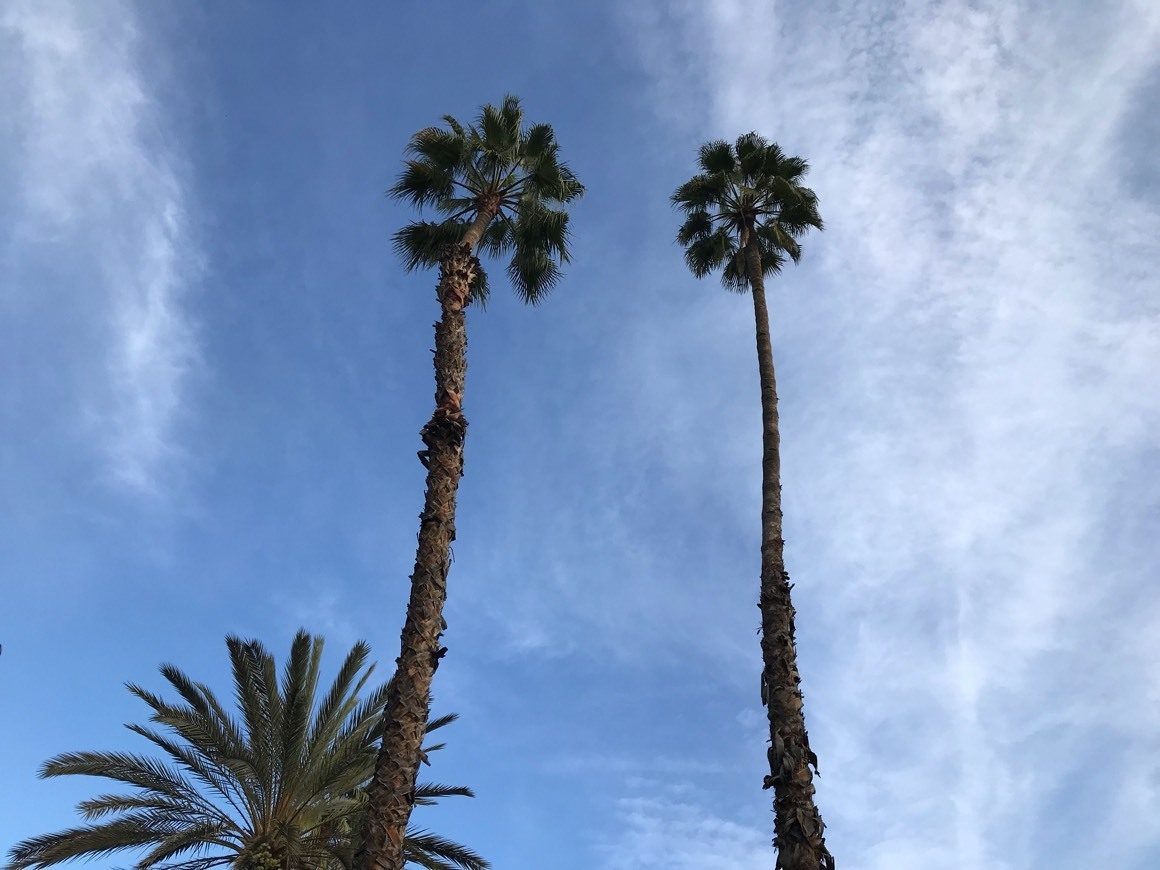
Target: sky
(213, 371)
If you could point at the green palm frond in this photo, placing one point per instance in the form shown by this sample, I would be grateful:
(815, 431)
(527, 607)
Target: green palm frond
(499, 129)
(220, 780)
(442, 722)
(423, 184)
(195, 838)
(432, 792)
(709, 252)
(215, 750)
(341, 699)
(222, 731)
(540, 146)
(698, 225)
(284, 780)
(148, 774)
(299, 686)
(430, 850)
(754, 154)
(422, 243)
(716, 157)
(255, 681)
(533, 273)
(499, 168)
(747, 190)
(702, 192)
(132, 830)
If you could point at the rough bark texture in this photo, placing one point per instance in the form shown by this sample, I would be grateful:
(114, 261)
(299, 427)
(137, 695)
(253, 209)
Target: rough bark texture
(391, 792)
(798, 828)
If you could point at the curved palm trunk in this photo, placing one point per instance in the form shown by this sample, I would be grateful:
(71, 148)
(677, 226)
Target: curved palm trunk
(391, 793)
(798, 828)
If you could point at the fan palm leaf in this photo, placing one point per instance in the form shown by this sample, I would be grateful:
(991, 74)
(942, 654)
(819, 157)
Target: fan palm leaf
(503, 171)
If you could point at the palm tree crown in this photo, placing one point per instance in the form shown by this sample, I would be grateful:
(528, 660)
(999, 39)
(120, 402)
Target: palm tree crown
(498, 186)
(750, 190)
(277, 787)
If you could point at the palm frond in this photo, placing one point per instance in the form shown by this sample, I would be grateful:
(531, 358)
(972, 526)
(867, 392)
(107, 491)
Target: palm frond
(792, 169)
(447, 151)
(533, 273)
(432, 792)
(753, 151)
(496, 161)
(441, 722)
(747, 190)
(455, 856)
(422, 243)
(717, 157)
(498, 135)
(455, 126)
(255, 684)
(129, 832)
(707, 254)
(299, 686)
(480, 289)
(197, 863)
(497, 238)
(423, 184)
(196, 838)
(546, 229)
(198, 725)
(222, 733)
(366, 718)
(221, 780)
(701, 193)
(136, 770)
(774, 238)
(108, 804)
(698, 225)
(540, 143)
(341, 699)
(201, 809)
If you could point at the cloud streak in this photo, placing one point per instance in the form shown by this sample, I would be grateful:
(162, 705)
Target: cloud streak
(667, 832)
(99, 257)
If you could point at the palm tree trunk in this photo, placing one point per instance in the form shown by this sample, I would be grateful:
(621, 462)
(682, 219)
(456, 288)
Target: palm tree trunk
(392, 789)
(798, 828)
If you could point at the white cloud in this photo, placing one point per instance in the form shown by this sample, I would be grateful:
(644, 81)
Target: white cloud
(973, 400)
(100, 244)
(674, 835)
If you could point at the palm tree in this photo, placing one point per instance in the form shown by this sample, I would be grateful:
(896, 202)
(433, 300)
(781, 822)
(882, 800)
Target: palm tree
(498, 189)
(280, 785)
(744, 213)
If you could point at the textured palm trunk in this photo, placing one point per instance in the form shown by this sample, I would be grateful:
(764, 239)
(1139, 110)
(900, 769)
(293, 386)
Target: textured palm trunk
(391, 793)
(798, 828)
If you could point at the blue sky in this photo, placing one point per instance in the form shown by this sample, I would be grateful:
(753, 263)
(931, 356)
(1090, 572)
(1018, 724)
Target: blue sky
(213, 372)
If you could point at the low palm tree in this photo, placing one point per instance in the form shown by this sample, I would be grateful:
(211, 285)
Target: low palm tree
(498, 189)
(278, 785)
(744, 213)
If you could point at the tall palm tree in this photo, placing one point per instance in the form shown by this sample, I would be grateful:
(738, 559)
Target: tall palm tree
(744, 213)
(280, 785)
(498, 188)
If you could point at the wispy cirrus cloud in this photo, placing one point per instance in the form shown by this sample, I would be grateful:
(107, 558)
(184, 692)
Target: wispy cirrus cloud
(98, 253)
(668, 832)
